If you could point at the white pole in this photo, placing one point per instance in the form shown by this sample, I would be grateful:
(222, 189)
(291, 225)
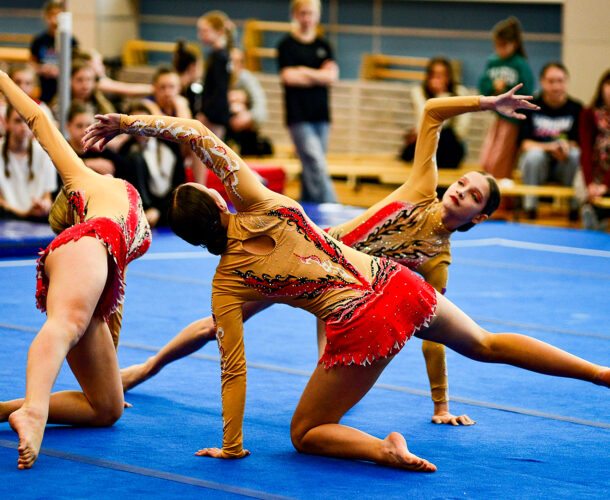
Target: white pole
(63, 45)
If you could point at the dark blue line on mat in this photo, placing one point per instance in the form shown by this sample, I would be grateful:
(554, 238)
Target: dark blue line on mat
(417, 392)
(408, 390)
(157, 474)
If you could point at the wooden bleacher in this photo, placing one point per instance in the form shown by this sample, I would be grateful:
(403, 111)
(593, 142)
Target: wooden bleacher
(14, 47)
(369, 118)
(399, 68)
(136, 52)
(358, 171)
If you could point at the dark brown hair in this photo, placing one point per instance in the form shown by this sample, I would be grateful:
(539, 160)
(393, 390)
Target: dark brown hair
(162, 71)
(433, 62)
(509, 30)
(598, 99)
(553, 64)
(183, 57)
(78, 108)
(194, 216)
(493, 202)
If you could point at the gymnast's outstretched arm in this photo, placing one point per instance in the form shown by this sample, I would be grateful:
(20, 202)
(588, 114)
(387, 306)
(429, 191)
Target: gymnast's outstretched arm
(67, 163)
(423, 179)
(241, 184)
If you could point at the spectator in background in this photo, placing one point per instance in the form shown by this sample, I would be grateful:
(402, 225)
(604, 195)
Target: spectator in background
(215, 30)
(549, 137)
(248, 108)
(44, 57)
(439, 82)
(166, 98)
(156, 168)
(505, 69)
(105, 162)
(307, 70)
(593, 179)
(107, 85)
(27, 176)
(189, 67)
(26, 79)
(84, 91)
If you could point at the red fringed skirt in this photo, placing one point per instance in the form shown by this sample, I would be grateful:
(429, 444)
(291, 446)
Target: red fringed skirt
(401, 306)
(124, 240)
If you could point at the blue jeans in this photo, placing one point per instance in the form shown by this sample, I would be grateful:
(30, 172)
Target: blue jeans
(310, 140)
(539, 167)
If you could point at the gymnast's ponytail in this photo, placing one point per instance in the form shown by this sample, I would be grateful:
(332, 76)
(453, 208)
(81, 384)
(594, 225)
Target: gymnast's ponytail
(183, 57)
(194, 216)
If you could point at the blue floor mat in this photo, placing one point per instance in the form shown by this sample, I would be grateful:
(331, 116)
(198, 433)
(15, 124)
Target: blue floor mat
(548, 283)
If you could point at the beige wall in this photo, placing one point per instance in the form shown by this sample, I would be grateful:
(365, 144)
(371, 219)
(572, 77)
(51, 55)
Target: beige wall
(586, 44)
(107, 24)
(104, 24)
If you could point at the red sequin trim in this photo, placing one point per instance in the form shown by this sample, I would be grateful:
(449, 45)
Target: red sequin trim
(124, 240)
(403, 305)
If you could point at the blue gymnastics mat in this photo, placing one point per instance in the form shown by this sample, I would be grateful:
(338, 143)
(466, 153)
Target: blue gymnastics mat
(535, 436)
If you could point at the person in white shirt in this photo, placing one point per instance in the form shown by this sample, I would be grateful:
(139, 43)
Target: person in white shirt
(27, 176)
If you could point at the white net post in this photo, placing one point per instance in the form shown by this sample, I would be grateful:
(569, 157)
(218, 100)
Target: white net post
(63, 46)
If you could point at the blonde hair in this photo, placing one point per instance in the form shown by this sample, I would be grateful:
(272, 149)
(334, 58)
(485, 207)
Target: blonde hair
(220, 22)
(297, 4)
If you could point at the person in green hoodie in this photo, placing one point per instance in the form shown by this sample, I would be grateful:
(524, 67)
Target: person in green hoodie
(506, 68)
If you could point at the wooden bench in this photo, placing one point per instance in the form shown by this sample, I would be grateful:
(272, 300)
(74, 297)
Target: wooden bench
(400, 68)
(253, 41)
(135, 52)
(15, 47)
(14, 54)
(357, 169)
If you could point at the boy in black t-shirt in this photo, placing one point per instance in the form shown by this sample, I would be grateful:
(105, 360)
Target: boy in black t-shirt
(44, 57)
(307, 69)
(549, 137)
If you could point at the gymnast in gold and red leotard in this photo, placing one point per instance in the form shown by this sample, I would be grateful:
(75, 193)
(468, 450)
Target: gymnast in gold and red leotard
(270, 251)
(80, 284)
(408, 226)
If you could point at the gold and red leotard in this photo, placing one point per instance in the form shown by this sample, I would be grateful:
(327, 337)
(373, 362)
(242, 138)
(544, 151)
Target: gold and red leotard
(90, 205)
(406, 226)
(371, 306)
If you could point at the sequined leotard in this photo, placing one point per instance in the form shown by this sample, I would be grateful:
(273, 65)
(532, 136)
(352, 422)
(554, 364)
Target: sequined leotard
(406, 226)
(90, 205)
(371, 306)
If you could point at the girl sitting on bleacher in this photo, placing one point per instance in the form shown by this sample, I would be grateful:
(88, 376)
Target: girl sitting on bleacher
(439, 82)
(27, 176)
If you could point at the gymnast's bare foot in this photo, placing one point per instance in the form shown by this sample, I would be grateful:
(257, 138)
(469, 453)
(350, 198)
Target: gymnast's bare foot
(29, 424)
(399, 456)
(136, 374)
